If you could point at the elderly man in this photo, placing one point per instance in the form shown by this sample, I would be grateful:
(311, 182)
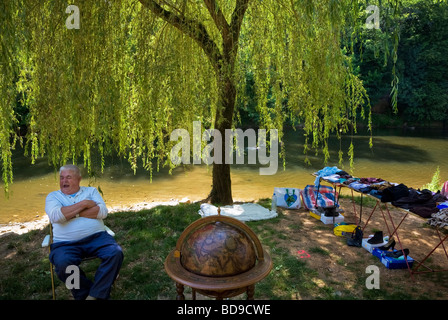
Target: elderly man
(76, 214)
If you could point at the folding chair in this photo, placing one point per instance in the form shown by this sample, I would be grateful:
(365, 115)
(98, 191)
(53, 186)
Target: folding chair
(48, 240)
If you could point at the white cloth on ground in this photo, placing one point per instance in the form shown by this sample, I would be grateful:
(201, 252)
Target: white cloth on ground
(242, 212)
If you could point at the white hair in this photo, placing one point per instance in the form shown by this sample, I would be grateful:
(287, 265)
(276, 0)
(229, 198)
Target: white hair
(71, 167)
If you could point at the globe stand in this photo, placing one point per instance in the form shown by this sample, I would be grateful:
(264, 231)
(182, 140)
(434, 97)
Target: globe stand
(217, 283)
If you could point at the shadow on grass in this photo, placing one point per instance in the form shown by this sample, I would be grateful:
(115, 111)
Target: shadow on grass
(147, 237)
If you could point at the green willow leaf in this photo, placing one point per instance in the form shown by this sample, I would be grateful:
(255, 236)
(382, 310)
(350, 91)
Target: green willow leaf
(136, 70)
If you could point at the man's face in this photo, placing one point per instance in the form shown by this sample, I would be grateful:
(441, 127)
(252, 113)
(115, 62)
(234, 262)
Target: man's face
(69, 182)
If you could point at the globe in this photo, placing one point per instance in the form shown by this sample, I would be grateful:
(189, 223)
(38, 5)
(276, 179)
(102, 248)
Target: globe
(218, 249)
(219, 257)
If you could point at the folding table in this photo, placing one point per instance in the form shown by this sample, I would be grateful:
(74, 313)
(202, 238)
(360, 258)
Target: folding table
(392, 228)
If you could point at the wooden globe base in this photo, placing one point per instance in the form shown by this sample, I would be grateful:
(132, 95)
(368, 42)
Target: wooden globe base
(216, 287)
(223, 286)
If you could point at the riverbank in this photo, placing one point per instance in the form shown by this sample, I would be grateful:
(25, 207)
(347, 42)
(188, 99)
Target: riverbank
(409, 157)
(42, 222)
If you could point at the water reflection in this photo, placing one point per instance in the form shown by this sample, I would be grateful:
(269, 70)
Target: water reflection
(408, 157)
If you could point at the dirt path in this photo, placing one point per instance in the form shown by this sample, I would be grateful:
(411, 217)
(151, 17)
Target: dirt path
(344, 267)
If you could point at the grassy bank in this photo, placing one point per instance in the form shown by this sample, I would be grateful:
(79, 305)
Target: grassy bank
(149, 235)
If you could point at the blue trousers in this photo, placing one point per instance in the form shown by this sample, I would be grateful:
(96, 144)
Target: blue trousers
(71, 253)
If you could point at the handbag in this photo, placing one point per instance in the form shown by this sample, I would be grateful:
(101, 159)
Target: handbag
(288, 198)
(356, 239)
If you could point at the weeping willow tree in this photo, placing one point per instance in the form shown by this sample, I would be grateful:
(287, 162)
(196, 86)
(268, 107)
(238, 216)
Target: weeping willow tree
(133, 71)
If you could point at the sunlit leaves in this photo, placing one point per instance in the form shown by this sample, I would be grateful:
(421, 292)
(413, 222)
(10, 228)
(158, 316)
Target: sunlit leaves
(295, 54)
(125, 79)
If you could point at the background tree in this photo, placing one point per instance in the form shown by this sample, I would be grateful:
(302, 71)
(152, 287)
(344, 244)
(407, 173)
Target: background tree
(136, 70)
(421, 61)
(423, 65)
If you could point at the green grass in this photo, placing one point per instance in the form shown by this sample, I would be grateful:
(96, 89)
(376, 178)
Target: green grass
(148, 236)
(366, 200)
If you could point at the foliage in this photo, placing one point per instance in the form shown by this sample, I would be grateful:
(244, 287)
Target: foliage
(136, 70)
(435, 184)
(421, 62)
(424, 65)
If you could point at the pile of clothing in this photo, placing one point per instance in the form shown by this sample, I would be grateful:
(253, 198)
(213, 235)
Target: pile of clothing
(424, 203)
(439, 219)
(372, 186)
(331, 174)
(421, 202)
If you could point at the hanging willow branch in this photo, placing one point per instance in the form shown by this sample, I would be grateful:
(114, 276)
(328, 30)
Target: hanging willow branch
(136, 70)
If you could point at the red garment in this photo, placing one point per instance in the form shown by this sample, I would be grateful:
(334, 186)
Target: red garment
(445, 189)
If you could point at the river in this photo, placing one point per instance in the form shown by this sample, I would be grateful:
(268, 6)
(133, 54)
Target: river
(410, 157)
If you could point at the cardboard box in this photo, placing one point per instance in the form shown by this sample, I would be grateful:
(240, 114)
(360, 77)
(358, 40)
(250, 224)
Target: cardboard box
(326, 220)
(392, 263)
(369, 247)
(329, 220)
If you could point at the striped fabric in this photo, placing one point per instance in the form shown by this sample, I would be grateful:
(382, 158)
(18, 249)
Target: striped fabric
(325, 196)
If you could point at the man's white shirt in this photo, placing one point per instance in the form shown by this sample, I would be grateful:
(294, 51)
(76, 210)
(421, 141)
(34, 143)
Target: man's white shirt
(76, 228)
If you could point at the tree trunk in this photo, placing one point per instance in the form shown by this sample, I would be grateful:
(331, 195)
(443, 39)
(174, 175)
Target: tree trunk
(221, 192)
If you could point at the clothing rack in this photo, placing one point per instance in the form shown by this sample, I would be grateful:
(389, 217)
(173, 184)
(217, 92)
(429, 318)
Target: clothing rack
(393, 228)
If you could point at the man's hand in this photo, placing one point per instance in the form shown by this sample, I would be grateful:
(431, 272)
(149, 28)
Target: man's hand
(85, 208)
(88, 204)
